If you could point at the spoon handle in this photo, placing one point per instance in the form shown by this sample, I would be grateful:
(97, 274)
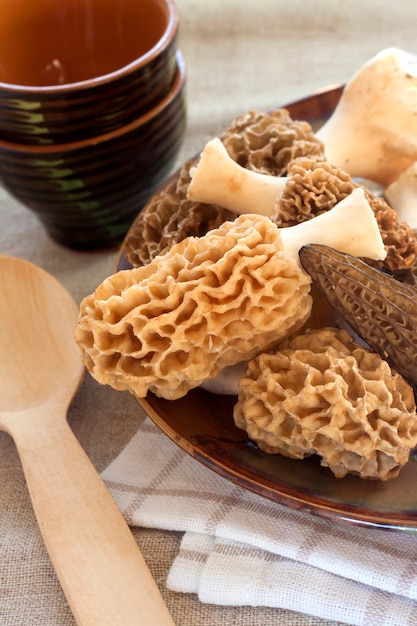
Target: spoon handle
(102, 572)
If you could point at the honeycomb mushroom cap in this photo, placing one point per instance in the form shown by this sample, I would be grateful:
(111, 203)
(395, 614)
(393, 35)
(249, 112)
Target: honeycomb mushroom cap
(208, 303)
(321, 393)
(313, 187)
(268, 142)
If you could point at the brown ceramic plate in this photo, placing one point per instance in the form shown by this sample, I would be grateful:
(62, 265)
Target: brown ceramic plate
(202, 424)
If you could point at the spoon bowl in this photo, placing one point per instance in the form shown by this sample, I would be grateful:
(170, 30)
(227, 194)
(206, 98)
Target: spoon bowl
(102, 572)
(35, 348)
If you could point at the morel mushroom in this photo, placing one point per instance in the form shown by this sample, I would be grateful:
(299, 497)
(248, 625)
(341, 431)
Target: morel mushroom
(208, 303)
(321, 393)
(267, 142)
(380, 309)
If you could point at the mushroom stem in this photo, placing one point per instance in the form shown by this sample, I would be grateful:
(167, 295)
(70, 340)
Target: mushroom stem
(217, 179)
(372, 133)
(350, 227)
(402, 196)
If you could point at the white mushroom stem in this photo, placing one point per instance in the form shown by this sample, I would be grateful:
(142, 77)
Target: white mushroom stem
(402, 196)
(350, 226)
(217, 179)
(372, 133)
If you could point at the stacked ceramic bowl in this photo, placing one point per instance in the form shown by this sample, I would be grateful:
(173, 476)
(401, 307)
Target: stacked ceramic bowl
(92, 111)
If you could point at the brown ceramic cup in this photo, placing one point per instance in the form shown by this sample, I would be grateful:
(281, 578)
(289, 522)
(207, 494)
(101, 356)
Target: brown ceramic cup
(72, 69)
(87, 193)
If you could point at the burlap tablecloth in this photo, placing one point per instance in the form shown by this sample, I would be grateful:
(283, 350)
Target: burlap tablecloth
(241, 54)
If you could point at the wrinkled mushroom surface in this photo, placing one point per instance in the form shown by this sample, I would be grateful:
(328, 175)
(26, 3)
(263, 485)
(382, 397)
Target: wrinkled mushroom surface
(208, 303)
(268, 142)
(379, 308)
(321, 393)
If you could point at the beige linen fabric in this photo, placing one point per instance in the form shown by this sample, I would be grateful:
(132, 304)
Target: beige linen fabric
(240, 54)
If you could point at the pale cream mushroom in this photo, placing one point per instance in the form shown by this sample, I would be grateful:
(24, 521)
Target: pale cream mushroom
(372, 133)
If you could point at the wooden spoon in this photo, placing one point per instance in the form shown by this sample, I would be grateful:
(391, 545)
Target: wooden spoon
(101, 570)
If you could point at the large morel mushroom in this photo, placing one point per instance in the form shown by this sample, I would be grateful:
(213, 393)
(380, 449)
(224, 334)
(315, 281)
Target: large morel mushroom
(322, 393)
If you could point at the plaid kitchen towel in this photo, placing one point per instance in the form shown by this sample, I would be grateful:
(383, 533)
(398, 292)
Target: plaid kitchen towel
(242, 549)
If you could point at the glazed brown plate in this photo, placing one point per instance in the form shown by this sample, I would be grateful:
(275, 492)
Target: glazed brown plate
(202, 424)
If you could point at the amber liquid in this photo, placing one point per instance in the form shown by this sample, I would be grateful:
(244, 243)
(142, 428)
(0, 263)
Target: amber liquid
(56, 42)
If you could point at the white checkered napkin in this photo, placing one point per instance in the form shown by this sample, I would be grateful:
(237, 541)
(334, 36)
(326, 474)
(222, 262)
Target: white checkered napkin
(241, 549)
(225, 572)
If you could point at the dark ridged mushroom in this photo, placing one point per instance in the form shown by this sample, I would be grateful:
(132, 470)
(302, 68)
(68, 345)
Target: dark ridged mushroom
(380, 309)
